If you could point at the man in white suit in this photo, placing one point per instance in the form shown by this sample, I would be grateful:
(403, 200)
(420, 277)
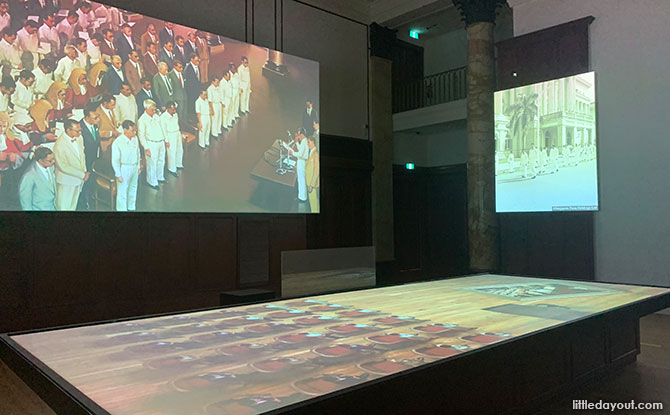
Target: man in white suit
(23, 97)
(126, 164)
(152, 139)
(302, 154)
(216, 102)
(126, 105)
(235, 101)
(226, 88)
(245, 84)
(172, 133)
(70, 166)
(37, 190)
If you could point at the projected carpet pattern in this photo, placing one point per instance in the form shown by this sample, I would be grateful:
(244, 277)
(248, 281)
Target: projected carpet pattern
(268, 356)
(540, 291)
(253, 359)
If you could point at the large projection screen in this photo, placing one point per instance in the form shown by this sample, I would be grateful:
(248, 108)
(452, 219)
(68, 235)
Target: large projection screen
(545, 155)
(248, 143)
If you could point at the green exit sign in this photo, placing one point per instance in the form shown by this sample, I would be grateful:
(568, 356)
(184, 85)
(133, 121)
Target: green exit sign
(409, 166)
(414, 34)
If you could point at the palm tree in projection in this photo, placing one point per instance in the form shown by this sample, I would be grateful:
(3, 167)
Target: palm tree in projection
(521, 115)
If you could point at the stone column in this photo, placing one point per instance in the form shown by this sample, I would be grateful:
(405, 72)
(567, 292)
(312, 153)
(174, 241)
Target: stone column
(479, 17)
(381, 134)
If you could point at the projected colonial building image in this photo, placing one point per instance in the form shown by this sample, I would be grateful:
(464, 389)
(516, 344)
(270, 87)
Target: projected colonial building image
(546, 133)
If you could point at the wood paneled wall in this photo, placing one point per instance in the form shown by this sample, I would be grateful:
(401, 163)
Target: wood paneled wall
(430, 233)
(68, 268)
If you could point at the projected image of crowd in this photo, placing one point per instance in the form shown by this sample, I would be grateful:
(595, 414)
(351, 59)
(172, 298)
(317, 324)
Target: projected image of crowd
(534, 162)
(78, 83)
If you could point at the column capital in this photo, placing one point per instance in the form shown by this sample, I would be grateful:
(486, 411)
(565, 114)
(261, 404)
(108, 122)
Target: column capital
(476, 11)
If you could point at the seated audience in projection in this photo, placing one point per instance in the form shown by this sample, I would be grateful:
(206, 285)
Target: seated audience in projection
(104, 109)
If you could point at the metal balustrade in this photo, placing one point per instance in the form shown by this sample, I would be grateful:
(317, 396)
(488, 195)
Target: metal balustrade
(431, 90)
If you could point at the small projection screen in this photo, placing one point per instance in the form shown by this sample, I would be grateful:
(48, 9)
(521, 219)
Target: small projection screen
(546, 146)
(104, 109)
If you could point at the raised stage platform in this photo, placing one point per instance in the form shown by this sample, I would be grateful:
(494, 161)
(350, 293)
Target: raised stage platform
(478, 344)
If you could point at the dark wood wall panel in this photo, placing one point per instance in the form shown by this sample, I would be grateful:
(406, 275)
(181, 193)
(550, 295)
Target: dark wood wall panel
(446, 222)
(546, 244)
(430, 223)
(14, 282)
(254, 246)
(287, 233)
(61, 268)
(264, 34)
(169, 236)
(408, 193)
(346, 201)
(216, 253)
(122, 245)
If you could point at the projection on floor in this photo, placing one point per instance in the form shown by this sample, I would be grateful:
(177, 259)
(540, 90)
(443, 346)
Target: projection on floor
(258, 358)
(545, 146)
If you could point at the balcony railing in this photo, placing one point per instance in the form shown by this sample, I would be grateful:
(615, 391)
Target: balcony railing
(432, 90)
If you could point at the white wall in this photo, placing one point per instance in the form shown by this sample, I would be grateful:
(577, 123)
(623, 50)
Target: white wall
(432, 146)
(445, 52)
(449, 50)
(410, 148)
(448, 148)
(629, 52)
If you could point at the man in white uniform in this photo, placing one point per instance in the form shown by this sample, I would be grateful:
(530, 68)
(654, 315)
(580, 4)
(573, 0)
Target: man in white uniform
(126, 164)
(553, 159)
(23, 98)
(153, 141)
(302, 154)
(215, 100)
(235, 81)
(93, 48)
(44, 77)
(203, 111)
(7, 88)
(226, 87)
(126, 105)
(67, 64)
(86, 16)
(67, 26)
(70, 166)
(82, 50)
(10, 54)
(533, 155)
(172, 133)
(49, 34)
(28, 42)
(245, 84)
